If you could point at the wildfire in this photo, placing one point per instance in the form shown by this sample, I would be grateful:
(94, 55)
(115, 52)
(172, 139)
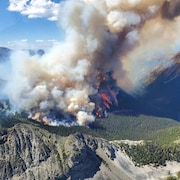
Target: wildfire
(101, 112)
(96, 45)
(105, 99)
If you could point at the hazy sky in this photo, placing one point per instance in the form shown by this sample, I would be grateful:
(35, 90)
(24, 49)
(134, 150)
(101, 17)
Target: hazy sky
(29, 21)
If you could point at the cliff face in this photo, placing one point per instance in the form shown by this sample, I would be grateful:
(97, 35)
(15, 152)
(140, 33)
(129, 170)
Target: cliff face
(28, 152)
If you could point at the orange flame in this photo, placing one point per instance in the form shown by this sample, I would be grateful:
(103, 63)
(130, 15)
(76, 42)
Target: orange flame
(106, 98)
(98, 114)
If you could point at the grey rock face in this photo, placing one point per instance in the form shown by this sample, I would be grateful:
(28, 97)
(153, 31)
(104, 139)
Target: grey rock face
(28, 152)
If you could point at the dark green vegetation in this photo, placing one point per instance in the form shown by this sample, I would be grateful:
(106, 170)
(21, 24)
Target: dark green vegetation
(160, 130)
(151, 153)
(138, 128)
(115, 127)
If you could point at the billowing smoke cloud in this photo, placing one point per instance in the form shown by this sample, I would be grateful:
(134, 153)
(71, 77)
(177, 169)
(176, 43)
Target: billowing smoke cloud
(171, 9)
(112, 35)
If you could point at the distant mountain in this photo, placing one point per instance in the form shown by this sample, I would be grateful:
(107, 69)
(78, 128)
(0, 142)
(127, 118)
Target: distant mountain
(39, 52)
(4, 53)
(161, 96)
(162, 90)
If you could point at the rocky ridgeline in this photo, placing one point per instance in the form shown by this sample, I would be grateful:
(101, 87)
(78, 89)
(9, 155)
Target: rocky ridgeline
(28, 152)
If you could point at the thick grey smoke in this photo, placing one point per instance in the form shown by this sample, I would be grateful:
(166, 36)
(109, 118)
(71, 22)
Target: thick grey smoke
(171, 9)
(113, 35)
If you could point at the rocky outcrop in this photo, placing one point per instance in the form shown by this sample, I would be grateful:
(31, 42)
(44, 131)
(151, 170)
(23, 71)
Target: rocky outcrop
(28, 152)
(32, 153)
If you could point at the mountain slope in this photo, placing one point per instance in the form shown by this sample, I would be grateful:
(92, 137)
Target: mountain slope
(162, 89)
(29, 152)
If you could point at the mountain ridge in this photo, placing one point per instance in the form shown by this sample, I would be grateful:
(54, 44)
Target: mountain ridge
(26, 152)
(162, 90)
(29, 152)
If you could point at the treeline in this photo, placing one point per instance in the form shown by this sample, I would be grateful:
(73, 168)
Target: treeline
(134, 127)
(115, 127)
(150, 153)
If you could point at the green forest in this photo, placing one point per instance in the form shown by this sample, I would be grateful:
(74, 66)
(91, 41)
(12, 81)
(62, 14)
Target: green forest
(151, 153)
(163, 131)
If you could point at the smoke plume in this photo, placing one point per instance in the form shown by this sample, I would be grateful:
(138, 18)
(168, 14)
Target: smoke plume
(118, 36)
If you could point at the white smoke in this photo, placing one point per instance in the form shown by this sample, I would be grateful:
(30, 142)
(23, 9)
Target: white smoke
(98, 34)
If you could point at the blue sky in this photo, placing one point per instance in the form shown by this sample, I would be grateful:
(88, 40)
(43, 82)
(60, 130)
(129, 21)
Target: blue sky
(31, 23)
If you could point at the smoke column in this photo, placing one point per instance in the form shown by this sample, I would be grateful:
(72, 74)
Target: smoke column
(114, 35)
